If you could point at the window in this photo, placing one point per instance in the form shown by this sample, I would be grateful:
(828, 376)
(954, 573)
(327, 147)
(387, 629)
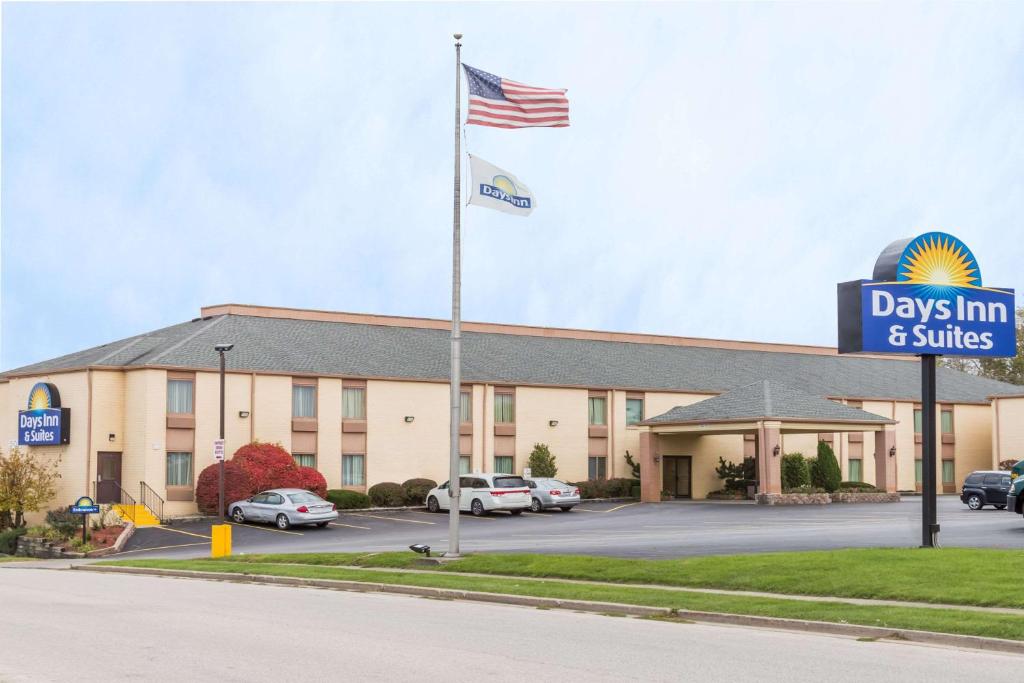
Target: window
(466, 406)
(597, 410)
(303, 400)
(504, 408)
(947, 471)
(353, 403)
(947, 421)
(179, 396)
(508, 483)
(179, 469)
(596, 467)
(304, 497)
(856, 470)
(918, 472)
(503, 464)
(353, 470)
(305, 459)
(274, 499)
(634, 410)
(918, 417)
(465, 467)
(989, 480)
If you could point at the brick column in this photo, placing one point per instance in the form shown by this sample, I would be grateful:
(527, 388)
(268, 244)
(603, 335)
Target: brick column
(650, 469)
(885, 466)
(769, 466)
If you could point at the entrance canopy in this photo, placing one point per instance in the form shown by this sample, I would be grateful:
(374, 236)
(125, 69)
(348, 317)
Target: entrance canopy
(766, 409)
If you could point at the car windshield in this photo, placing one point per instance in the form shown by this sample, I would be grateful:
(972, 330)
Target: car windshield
(509, 482)
(554, 483)
(304, 498)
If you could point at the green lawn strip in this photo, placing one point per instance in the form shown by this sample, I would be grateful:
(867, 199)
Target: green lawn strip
(958, 576)
(926, 619)
(11, 558)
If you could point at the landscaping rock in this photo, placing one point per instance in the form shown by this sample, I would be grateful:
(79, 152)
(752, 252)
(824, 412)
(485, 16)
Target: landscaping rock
(793, 499)
(855, 497)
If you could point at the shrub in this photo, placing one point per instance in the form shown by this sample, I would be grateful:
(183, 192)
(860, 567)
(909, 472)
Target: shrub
(633, 465)
(311, 480)
(348, 500)
(237, 486)
(64, 523)
(825, 471)
(857, 486)
(387, 494)
(736, 477)
(606, 488)
(541, 462)
(269, 466)
(795, 472)
(414, 491)
(9, 539)
(805, 489)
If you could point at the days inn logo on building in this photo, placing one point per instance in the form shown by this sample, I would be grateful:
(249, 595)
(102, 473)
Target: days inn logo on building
(926, 297)
(45, 423)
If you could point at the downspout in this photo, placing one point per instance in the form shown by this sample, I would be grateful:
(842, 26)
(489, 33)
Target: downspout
(611, 435)
(88, 431)
(995, 434)
(483, 456)
(252, 408)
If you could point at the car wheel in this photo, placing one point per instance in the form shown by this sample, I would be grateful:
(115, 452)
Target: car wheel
(1000, 507)
(515, 513)
(477, 508)
(535, 505)
(433, 505)
(282, 521)
(974, 502)
(321, 525)
(238, 516)
(567, 508)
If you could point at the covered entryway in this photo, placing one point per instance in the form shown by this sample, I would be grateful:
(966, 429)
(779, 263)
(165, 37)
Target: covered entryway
(766, 410)
(675, 475)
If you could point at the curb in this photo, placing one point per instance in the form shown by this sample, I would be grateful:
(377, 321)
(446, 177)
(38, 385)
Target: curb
(122, 538)
(822, 627)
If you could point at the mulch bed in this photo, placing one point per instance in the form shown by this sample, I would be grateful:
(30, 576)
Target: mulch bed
(102, 538)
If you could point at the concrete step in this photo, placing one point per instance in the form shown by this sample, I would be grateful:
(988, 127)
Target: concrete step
(140, 514)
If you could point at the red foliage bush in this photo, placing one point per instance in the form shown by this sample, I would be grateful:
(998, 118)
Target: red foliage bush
(311, 480)
(237, 486)
(269, 466)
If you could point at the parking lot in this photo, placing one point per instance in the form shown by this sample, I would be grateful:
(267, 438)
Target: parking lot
(673, 529)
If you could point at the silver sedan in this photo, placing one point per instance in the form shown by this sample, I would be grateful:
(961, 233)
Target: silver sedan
(546, 493)
(283, 508)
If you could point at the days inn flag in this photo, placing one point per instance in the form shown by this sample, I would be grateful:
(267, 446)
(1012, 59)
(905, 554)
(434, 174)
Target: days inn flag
(498, 189)
(501, 103)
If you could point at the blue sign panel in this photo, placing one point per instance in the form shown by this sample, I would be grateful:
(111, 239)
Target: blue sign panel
(84, 506)
(45, 423)
(927, 298)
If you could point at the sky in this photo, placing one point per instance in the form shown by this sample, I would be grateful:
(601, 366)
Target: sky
(726, 166)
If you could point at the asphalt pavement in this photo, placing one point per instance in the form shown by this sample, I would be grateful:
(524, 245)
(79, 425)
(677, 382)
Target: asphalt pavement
(673, 529)
(116, 627)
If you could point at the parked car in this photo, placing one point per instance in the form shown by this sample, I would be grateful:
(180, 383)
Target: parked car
(1015, 497)
(285, 508)
(1017, 470)
(546, 493)
(985, 487)
(481, 493)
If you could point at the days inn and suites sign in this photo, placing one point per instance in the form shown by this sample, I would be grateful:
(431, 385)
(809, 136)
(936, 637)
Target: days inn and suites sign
(926, 298)
(45, 423)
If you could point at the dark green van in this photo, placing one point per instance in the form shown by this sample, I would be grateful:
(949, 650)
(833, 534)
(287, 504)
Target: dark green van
(1015, 496)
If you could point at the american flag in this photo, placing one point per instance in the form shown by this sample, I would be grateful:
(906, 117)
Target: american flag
(501, 103)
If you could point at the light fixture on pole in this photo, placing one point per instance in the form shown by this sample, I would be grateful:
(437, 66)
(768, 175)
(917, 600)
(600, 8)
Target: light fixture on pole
(221, 349)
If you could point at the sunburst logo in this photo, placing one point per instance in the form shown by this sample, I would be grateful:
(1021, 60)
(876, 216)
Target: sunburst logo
(936, 259)
(42, 397)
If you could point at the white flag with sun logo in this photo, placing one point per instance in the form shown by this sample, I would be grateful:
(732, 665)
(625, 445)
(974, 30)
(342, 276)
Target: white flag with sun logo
(497, 189)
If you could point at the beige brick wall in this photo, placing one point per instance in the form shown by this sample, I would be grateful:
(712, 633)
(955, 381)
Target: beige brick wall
(535, 408)
(1009, 441)
(328, 437)
(145, 426)
(972, 429)
(398, 450)
(704, 452)
(272, 410)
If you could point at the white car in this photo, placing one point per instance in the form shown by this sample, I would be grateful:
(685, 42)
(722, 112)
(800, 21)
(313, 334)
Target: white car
(481, 493)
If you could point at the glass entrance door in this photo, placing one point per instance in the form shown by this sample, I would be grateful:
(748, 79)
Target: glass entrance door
(676, 475)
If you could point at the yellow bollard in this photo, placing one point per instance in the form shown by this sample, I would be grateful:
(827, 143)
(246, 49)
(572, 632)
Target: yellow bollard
(220, 544)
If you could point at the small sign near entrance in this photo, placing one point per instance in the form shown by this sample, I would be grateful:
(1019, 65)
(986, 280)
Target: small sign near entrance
(218, 450)
(527, 472)
(84, 506)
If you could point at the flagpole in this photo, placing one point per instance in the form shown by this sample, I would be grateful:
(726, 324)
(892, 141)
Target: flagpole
(456, 361)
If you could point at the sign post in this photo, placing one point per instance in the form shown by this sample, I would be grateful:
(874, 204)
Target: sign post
(926, 298)
(84, 506)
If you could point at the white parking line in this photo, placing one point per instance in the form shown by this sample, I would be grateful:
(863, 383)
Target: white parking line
(350, 526)
(264, 528)
(393, 519)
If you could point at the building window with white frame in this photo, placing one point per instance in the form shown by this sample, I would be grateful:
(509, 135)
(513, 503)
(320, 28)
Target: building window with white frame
(504, 408)
(353, 470)
(305, 459)
(596, 467)
(465, 466)
(856, 470)
(353, 403)
(180, 396)
(597, 410)
(503, 464)
(179, 468)
(303, 400)
(465, 407)
(634, 410)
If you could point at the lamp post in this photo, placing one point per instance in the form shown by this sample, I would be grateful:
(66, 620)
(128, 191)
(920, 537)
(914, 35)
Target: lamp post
(221, 349)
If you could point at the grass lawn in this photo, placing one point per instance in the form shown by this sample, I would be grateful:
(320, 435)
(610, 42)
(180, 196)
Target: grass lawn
(925, 619)
(12, 558)
(958, 576)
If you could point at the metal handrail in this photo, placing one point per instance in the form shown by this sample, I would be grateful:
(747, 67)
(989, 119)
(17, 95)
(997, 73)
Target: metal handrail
(127, 502)
(152, 500)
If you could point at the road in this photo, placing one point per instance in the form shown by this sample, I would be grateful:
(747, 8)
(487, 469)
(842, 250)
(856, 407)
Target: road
(61, 625)
(648, 531)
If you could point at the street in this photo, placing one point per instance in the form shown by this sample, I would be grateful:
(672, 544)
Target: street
(664, 530)
(118, 627)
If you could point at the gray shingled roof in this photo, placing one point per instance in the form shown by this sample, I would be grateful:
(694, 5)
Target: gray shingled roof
(762, 400)
(364, 350)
